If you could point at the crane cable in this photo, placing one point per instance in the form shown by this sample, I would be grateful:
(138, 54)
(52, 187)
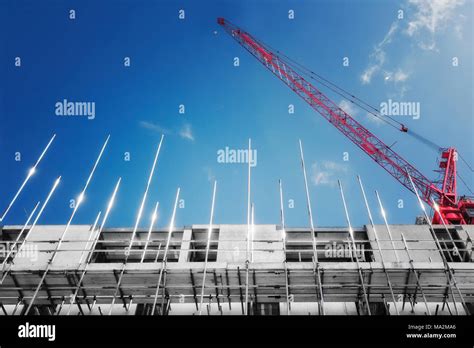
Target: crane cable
(340, 91)
(350, 100)
(367, 107)
(349, 96)
(465, 162)
(332, 86)
(357, 101)
(379, 115)
(460, 177)
(464, 182)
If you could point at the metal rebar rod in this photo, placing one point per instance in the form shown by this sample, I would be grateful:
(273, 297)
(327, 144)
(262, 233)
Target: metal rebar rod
(313, 237)
(163, 263)
(209, 234)
(154, 217)
(193, 286)
(447, 305)
(456, 250)
(371, 220)
(384, 216)
(283, 240)
(92, 232)
(3, 309)
(351, 234)
(94, 243)
(28, 176)
(117, 288)
(219, 306)
(43, 278)
(94, 302)
(416, 274)
(63, 235)
(450, 276)
(252, 233)
(130, 302)
(142, 204)
(247, 261)
(168, 303)
(163, 309)
(248, 198)
(16, 306)
(157, 253)
(240, 290)
(228, 288)
(255, 287)
(55, 185)
(79, 200)
(247, 273)
(61, 306)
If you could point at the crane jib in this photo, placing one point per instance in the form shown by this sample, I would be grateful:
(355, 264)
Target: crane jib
(449, 208)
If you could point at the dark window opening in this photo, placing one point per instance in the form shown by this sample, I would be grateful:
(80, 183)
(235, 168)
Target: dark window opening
(147, 309)
(113, 247)
(198, 245)
(331, 246)
(7, 242)
(452, 246)
(271, 308)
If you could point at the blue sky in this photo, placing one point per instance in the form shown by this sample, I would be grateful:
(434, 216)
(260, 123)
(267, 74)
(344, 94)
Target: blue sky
(190, 62)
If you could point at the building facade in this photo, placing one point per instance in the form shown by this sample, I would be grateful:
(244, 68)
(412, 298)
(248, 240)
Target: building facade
(237, 270)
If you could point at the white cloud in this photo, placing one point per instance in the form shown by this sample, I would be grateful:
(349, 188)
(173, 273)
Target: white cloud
(366, 76)
(327, 172)
(424, 19)
(388, 37)
(154, 127)
(400, 76)
(348, 107)
(378, 55)
(430, 17)
(397, 76)
(186, 132)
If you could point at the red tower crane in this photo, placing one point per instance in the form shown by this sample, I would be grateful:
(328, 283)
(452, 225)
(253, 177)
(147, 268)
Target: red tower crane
(442, 197)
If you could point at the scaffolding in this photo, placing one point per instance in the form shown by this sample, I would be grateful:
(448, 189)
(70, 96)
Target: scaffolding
(195, 270)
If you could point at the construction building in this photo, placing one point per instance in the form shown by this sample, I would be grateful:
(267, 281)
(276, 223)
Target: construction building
(421, 269)
(388, 270)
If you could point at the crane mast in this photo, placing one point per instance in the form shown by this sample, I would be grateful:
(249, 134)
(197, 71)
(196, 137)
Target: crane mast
(447, 206)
